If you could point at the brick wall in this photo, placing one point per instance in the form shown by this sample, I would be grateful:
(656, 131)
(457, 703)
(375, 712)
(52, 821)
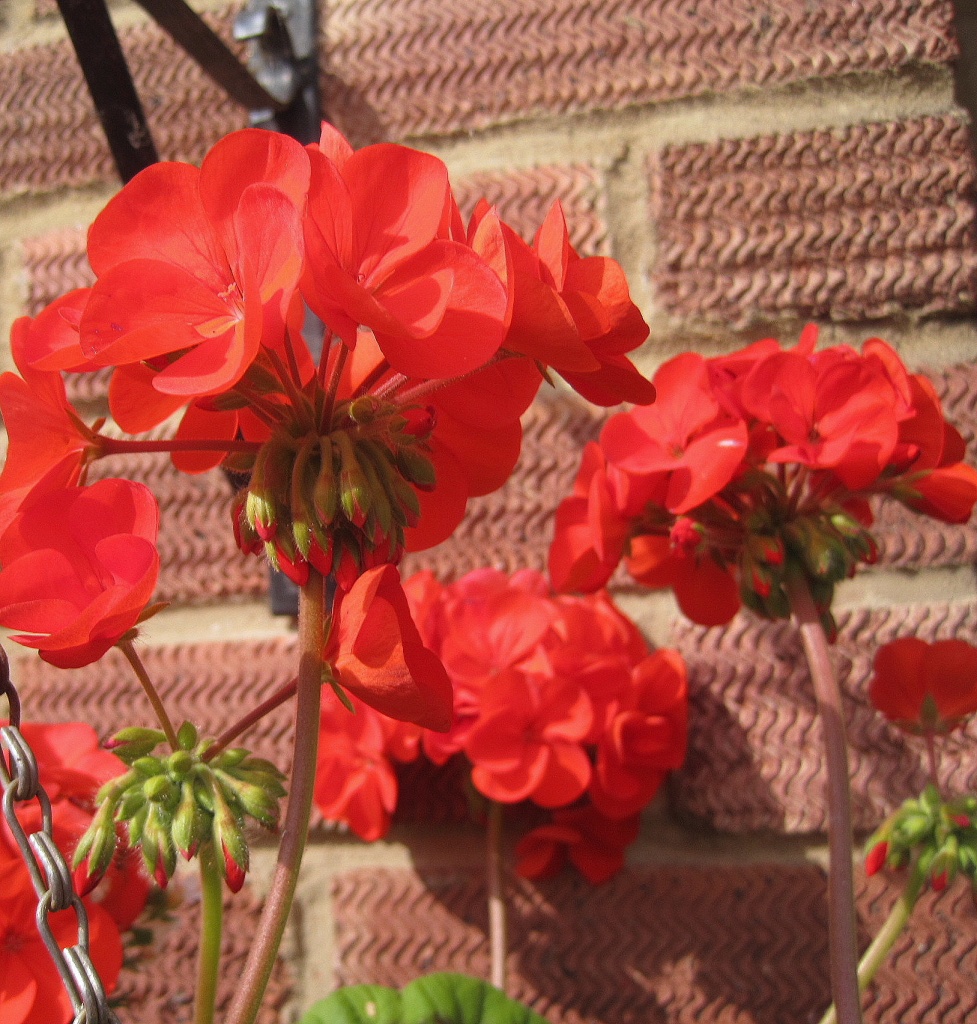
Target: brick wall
(753, 166)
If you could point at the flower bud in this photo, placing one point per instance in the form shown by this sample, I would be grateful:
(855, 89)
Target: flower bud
(416, 468)
(325, 490)
(188, 822)
(419, 422)
(186, 736)
(95, 849)
(133, 743)
(875, 858)
(364, 409)
(354, 489)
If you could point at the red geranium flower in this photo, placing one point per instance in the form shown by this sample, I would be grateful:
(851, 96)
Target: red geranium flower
(527, 741)
(355, 782)
(79, 567)
(685, 446)
(926, 689)
(378, 654)
(31, 990)
(45, 436)
(594, 844)
(72, 768)
(643, 738)
(195, 265)
(377, 258)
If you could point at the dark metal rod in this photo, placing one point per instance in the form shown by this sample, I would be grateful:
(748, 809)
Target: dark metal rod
(107, 74)
(207, 48)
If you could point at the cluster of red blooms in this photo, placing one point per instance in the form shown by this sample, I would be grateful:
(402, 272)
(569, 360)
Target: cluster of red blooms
(557, 701)
(753, 466)
(438, 335)
(928, 690)
(72, 768)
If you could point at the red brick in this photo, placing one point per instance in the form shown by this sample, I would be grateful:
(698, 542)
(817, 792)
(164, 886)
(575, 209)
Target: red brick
(755, 758)
(677, 944)
(849, 223)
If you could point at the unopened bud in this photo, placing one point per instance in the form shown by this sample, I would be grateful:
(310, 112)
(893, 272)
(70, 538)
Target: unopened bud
(131, 744)
(325, 490)
(416, 468)
(187, 736)
(188, 822)
(420, 422)
(354, 488)
(364, 409)
(875, 858)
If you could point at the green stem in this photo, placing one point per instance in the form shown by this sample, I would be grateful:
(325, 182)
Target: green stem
(496, 897)
(842, 928)
(883, 942)
(126, 646)
(211, 922)
(295, 830)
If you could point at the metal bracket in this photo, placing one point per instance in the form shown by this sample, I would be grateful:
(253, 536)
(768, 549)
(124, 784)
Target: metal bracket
(281, 87)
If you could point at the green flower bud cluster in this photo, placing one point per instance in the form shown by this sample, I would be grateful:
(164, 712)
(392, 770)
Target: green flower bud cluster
(939, 836)
(824, 546)
(341, 501)
(175, 803)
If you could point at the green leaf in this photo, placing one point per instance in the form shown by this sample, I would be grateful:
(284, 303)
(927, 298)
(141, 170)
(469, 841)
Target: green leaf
(435, 999)
(458, 999)
(357, 1004)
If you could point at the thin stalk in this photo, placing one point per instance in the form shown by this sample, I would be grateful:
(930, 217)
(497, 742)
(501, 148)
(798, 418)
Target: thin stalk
(883, 942)
(128, 649)
(230, 734)
(261, 959)
(332, 388)
(298, 400)
(931, 757)
(372, 379)
(498, 940)
(211, 924)
(842, 932)
(121, 446)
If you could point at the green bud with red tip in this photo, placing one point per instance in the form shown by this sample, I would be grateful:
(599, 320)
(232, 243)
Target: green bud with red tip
(130, 744)
(173, 803)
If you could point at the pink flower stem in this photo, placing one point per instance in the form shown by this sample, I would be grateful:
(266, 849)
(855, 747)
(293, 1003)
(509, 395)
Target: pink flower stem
(842, 933)
(230, 734)
(295, 829)
(128, 649)
(886, 937)
(498, 943)
(121, 446)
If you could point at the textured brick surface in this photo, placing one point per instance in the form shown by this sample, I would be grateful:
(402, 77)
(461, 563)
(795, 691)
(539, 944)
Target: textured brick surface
(850, 223)
(416, 67)
(200, 561)
(755, 758)
(409, 67)
(209, 684)
(157, 984)
(656, 945)
(44, 103)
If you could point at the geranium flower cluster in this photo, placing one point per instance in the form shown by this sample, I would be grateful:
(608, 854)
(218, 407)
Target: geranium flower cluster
(755, 466)
(928, 690)
(557, 701)
(72, 768)
(363, 441)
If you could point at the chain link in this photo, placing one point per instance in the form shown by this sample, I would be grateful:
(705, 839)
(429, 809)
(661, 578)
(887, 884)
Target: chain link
(50, 873)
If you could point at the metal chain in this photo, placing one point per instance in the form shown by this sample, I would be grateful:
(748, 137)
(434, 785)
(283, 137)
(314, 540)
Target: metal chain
(49, 871)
